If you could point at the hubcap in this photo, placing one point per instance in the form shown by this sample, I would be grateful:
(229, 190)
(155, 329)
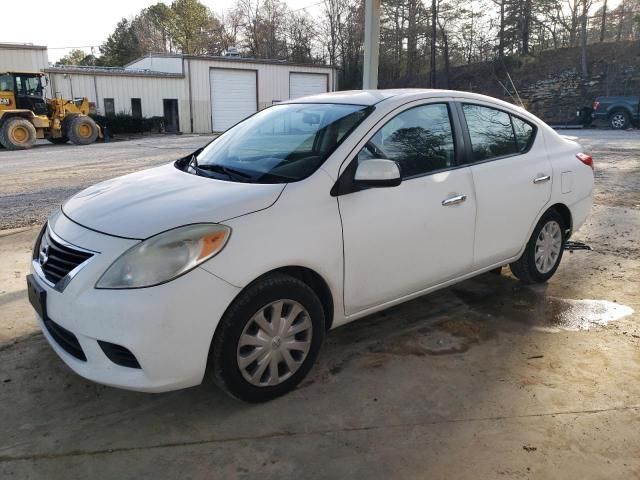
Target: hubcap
(548, 246)
(274, 343)
(84, 130)
(618, 120)
(20, 134)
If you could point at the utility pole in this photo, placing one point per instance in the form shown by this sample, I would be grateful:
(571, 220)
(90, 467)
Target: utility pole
(371, 44)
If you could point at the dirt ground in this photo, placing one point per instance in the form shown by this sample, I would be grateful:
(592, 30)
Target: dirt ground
(486, 379)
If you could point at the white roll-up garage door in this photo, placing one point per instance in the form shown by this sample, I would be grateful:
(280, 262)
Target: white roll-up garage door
(303, 84)
(233, 96)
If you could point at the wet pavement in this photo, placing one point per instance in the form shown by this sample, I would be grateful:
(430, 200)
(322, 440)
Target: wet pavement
(486, 379)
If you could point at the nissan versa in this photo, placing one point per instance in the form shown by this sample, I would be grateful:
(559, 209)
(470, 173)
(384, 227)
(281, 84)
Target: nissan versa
(233, 262)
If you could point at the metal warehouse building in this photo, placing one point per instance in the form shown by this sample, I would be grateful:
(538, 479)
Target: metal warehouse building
(195, 94)
(22, 57)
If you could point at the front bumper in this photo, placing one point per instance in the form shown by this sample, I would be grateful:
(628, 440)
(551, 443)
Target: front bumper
(167, 328)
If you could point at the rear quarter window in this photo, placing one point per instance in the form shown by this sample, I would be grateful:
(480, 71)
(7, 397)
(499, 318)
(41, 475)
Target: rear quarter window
(525, 133)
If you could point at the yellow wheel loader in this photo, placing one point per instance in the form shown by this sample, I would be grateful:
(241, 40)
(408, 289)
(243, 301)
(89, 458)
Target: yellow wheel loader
(25, 115)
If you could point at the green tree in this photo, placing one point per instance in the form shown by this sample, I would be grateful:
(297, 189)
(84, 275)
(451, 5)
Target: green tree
(152, 28)
(121, 47)
(76, 57)
(192, 26)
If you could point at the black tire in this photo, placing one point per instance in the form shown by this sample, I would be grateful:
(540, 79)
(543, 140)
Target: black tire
(59, 140)
(82, 130)
(223, 362)
(619, 120)
(525, 268)
(17, 134)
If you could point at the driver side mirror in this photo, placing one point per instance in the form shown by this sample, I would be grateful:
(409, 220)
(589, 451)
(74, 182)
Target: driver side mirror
(378, 172)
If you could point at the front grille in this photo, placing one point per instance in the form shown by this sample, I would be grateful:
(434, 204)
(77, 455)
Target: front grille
(67, 340)
(57, 260)
(119, 354)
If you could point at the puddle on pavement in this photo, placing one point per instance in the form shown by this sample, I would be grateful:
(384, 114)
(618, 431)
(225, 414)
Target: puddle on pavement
(531, 306)
(566, 314)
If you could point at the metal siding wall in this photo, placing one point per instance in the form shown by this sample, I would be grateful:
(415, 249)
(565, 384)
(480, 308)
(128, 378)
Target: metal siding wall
(273, 84)
(23, 59)
(150, 90)
(158, 64)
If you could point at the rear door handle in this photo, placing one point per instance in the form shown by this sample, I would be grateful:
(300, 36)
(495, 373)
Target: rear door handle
(454, 200)
(544, 178)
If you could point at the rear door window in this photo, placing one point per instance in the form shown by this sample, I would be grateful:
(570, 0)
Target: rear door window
(491, 132)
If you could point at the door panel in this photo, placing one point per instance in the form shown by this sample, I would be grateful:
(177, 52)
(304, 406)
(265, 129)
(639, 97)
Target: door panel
(508, 199)
(400, 240)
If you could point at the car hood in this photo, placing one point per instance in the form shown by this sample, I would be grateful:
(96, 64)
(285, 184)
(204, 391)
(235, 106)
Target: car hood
(142, 204)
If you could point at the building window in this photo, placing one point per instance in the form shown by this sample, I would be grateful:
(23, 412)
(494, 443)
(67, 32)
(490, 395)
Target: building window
(136, 108)
(109, 107)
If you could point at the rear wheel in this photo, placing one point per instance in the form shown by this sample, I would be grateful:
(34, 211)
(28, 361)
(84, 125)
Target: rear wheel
(268, 339)
(17, 134)
(619, 120)
(82, 130)
(59, 140)
(543, 252)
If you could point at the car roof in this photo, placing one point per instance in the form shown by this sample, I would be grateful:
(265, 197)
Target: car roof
(371, 97)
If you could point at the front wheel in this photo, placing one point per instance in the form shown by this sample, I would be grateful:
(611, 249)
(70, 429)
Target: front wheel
(543, 252)
(268, 339)
(82, 130)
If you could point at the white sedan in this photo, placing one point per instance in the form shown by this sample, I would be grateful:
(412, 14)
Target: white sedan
(233, 263)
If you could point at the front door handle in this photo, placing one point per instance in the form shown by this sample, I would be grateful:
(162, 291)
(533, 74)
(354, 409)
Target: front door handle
(454, 200)
(544, 178)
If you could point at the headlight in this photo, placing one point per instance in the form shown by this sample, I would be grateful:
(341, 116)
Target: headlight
(165, 256)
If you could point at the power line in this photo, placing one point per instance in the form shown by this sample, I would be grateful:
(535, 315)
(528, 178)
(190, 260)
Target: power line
(66, 48)
(308, 6)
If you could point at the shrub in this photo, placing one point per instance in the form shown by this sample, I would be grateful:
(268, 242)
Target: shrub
(125, 123)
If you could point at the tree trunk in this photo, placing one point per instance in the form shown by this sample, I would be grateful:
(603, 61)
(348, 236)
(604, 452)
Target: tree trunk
(501, 34)
(434, 33)
(583, 37)
(445, 53)
(412, 38)
(526, 25)
(603, 23)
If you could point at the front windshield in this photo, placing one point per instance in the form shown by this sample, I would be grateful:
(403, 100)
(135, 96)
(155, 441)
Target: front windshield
(283, 143)
(29, 85)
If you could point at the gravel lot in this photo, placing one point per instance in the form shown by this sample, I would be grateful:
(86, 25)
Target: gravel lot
(486, 379)
(33, 182)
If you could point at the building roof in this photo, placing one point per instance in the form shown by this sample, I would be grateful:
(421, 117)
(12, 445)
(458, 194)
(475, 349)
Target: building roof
(25, 46)
(230, 60)
(113, 71)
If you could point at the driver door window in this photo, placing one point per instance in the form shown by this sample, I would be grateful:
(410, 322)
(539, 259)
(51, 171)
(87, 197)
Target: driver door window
(419, 139)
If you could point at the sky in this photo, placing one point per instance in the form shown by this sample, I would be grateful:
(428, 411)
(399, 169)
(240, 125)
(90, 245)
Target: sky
(86, 23)
(81, 23)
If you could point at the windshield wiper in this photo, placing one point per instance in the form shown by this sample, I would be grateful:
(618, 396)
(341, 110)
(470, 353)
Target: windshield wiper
(232, 173)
